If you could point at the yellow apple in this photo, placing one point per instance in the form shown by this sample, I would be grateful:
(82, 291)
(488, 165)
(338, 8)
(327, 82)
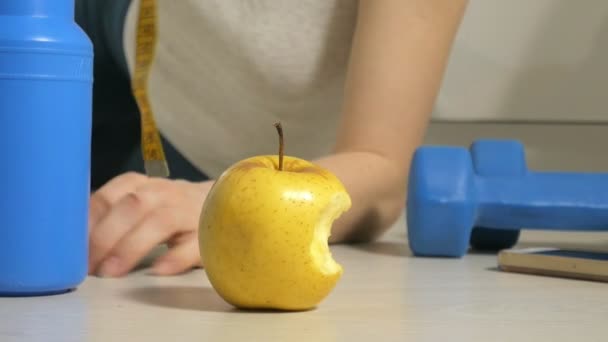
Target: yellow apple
(264, 232)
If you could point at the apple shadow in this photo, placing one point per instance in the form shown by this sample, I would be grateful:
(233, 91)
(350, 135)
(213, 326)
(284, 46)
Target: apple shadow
(180, 297)
(396, 249)
(495, 269)
(191, 298)
(490, 252)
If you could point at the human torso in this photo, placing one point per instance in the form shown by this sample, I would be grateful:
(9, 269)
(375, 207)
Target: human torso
(227, 70)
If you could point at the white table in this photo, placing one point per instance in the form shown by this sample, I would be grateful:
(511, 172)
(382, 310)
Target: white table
(385, 295)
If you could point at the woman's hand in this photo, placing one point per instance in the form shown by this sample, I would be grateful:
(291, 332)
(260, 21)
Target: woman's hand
(133, 213)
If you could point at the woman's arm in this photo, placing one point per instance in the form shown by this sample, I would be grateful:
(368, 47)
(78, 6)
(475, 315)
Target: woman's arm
(399, 54)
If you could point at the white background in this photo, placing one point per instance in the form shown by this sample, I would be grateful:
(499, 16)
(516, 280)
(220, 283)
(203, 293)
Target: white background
(536, 71)
(529, 60)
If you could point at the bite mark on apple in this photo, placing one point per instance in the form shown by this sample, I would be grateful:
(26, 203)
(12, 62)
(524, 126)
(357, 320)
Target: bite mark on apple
(319, 249)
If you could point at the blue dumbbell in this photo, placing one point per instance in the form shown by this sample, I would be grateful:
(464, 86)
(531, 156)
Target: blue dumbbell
(484, 195)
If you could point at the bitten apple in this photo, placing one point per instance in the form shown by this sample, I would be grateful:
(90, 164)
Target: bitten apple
(264, 232)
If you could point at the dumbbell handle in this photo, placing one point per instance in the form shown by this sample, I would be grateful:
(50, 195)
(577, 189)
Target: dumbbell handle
(548, 200)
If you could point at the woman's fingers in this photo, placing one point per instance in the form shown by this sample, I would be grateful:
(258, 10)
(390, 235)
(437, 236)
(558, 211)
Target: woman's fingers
(157, 227)
(183, 256)
(102, 200)
(132, 214)
(122, 217)
(98, 208)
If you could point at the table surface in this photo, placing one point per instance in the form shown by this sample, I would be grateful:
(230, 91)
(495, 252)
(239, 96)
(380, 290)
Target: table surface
(384, 295)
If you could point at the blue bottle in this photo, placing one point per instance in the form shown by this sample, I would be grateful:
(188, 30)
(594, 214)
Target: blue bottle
(45, 138)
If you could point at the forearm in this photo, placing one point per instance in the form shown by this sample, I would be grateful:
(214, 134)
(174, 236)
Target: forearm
(400, 50)
(399, 55)
(377, 191)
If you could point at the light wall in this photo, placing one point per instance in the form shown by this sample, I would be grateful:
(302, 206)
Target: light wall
(530, 70)
(529, 60)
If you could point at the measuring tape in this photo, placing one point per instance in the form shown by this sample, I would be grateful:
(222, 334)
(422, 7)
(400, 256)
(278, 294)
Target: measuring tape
(155, 162)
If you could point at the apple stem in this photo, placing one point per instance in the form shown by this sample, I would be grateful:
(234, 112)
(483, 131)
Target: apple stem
(281, 144)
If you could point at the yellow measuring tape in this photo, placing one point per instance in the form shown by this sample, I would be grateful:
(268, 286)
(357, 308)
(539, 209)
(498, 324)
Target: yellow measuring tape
(155, 162)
